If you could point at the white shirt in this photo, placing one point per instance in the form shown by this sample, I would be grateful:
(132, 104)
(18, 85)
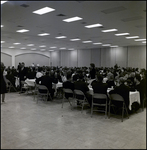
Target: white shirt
(39, 74)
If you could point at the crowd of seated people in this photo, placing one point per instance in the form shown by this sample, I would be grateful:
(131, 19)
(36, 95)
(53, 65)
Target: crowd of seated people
(133, 78)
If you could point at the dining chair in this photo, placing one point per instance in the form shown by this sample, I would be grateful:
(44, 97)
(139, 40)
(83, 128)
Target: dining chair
(10, 86)
(43, 92)
(24, 87)
(99, 100)
(116, 98)
(81, 98)
(70, 94)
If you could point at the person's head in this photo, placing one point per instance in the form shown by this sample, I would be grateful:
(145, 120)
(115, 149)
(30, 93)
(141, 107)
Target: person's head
(22, 64)
(2, 65)
(68, 75)
(137, 78)
(92, 65)
(121, 80)
(99, 78)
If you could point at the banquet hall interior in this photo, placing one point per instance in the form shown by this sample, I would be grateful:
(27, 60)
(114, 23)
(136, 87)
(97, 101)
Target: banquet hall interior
(58, 38)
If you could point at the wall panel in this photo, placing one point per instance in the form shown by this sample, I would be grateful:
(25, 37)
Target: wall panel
(6, 59)
(55, 58)
(137, 57)
(96, 57)
(29, 58)
(84, 58)
(121, 56)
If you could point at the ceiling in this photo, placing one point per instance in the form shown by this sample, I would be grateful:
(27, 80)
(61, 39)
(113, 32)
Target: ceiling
(125, 16)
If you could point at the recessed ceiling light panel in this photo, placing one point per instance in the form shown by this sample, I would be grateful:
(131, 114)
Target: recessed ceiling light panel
(22, 30)
(43, 10)
(43, 34)
(75, 39)
(86, 41)
(60, 37)
(110, 30)
(140, 40)
(132, 37)
(120, 34)
(94, 25)
(72, 19)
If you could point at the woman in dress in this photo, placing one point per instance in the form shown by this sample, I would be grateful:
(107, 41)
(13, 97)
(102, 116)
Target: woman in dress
(3, 83)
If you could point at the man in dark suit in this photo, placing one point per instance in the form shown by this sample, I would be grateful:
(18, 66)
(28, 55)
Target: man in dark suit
(22, 73)
(81, 85)
(47, 81)
(68, 85)
(98, 86)
(122, 90)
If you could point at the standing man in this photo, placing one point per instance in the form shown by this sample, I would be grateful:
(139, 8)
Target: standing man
(22, 74)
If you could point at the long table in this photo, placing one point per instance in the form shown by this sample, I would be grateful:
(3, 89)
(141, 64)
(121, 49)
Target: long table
(133, 96)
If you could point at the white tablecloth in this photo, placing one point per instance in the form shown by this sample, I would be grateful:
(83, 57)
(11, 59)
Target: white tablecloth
(134, 97)
(57, 85)
(30, 82)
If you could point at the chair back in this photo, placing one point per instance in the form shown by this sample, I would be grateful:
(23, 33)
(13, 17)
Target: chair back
(42, 87)
(99, 96)
(79, 92)
(116, 97)
(67, 91)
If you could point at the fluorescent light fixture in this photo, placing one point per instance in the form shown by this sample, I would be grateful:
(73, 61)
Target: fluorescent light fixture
(86, 41)
(2, 41)
(97, 43)
(62, 48)
(144, 42)
(43, 10)
(22, 30)
(2, 26)
(132, 37)
(43, 34)
(71, 49)
(53, 47)
(42, 49)
(51, 50)
(23, 48)
(106, 44)
(42, 46)
(140, 40)
(114, 46)
(30, 45)
(94, 25)
(33, 48)
(11, 47)
(16, 43)
(75, 39)
(110, 30)
(60, 37)
(72, 19)
(120, 34)
(2, 2)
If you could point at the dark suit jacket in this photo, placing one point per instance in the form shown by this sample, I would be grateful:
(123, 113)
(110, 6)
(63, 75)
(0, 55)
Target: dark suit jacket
(122, 90)
(80, 85)
(68, 85)
(47, 81)
(22, 73)
(99, 87)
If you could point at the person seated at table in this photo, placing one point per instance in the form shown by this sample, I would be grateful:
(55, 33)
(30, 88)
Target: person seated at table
(47, 81)
(68, 85)
(141, 87)
(81, 85)
(122, 90)
(39, 74)
(98, 86)
(110, 80)
(63, 77)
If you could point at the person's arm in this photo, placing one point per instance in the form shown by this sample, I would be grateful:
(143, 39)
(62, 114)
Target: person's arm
(5, 80)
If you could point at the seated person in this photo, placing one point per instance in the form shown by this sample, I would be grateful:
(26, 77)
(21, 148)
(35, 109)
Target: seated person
(47, 81)
(68, 85)
(39, 74)
(81, 85)
(100, 87)
(122, 90)
(141, 87)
